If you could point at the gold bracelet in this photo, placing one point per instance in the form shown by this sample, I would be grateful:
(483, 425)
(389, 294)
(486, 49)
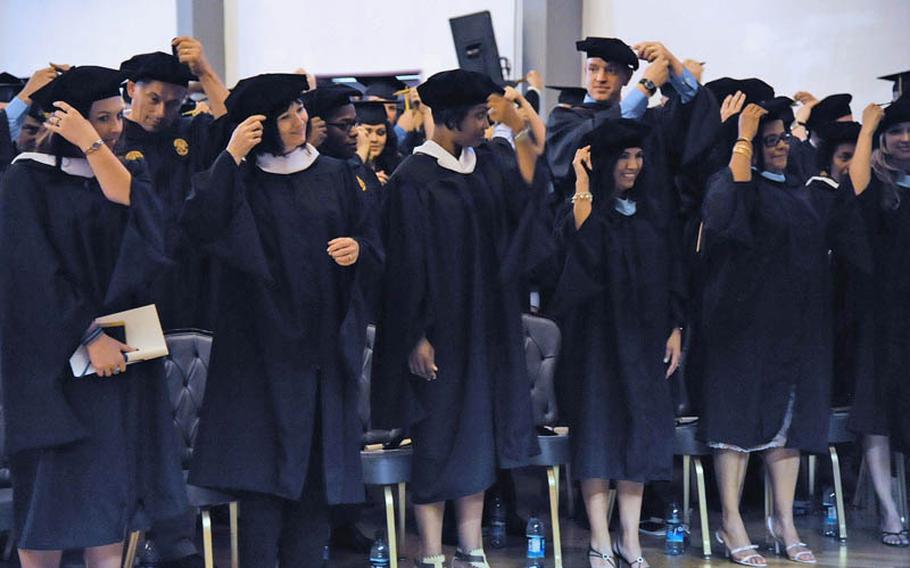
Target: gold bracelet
(740, 150)
(94, 147)
(583, 196)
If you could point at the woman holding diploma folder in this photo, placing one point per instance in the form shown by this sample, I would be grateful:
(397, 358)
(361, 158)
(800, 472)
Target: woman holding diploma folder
(279, 424)
(92, 457)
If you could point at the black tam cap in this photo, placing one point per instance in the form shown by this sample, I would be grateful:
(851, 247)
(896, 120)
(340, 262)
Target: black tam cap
(608, 49)
(383, 86)
(457, 87)
(755, 90)
(572, 96)
(10, 85)
(895, 113)
(157, 66)
(615, 135)
(325, 101)
(79, 87)
(371, 112)
(779, 108)
(901, 82)
(830, 135)
(264, 94)
(829, 109)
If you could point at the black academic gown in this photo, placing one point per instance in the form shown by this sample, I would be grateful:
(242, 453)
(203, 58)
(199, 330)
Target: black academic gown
(565, 129)
(619, 298)
(801, 162)
(457, 246)
(92, 456)
(880, 404)
(7, 144)
(766, 311)
(185, 295)
(291, 327)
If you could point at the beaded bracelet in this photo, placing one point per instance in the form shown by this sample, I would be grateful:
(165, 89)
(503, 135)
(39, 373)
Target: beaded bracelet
(583, 196)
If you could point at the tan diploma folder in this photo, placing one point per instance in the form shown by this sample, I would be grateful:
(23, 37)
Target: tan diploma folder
(142, 329)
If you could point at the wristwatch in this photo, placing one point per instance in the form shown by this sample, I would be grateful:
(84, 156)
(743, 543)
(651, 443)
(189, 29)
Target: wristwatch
(649, 85)
(96, 145)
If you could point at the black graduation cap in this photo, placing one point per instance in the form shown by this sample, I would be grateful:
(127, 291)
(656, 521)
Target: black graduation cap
(10, 85)
(80, 87)
(895, 113)
(755, 89)
(608, 49)
(264, 94)
(901, 82)
(572, 96)
(157, 66)
(382, 86)
(779, 108)
(835, 133)
(457, 87)
(829, 109)
(615, 135)
(371, 112)
(324, 101)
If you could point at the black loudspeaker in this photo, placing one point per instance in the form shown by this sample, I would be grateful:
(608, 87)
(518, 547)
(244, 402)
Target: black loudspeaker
(475, 44)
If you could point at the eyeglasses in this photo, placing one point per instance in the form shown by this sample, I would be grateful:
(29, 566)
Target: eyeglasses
(346, 126)
(773, 140)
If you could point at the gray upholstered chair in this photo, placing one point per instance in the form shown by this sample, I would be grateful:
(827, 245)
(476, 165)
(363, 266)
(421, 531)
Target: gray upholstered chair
(186, 368)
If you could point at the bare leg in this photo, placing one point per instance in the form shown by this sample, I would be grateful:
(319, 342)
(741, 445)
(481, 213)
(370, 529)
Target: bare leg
(40, 558)
(469, 512)
(730, 467)
(595, 493)
(108, 556)
(629, 494)
(877, 450)
(783, 468)
(429, 525)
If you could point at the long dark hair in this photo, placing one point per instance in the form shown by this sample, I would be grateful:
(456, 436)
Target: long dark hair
(390, 157)
(603, 183)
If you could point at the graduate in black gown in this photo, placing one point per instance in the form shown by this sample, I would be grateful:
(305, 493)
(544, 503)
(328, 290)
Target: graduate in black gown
(10, 85)
(333, 131)
(175, 147)
(460, 229)
(766, 319)
(802, 163)
(80, 237)
(279, 423)
(377, 144)
(620, 306)
(880, 173)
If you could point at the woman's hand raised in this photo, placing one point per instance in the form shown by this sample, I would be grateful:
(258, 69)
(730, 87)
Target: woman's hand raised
(245, 137)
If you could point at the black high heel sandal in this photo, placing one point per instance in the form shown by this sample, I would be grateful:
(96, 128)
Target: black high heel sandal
(594, 553)
(637, 563)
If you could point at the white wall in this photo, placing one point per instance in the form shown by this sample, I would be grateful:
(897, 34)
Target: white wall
(822, 46)
(349, 36)
(86, 32)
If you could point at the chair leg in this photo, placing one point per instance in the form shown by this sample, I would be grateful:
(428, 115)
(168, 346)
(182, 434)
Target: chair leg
(390, 526)
(553, 479)
(570, 492)
(132, 547)
(208, 549)
(702, 507)
(900, 468)
(10, 545)
(769, 496)
(812, 460)
(686, 487)
(611, 501)
(402, 517)
(859, 495)
(235, 537)
(838, 494)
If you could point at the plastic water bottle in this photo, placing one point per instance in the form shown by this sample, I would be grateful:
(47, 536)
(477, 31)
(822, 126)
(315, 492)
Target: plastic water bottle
(829, 505)
(325, 555)
(536, 543)
(379, 553)
(498, 523)
(675, 538)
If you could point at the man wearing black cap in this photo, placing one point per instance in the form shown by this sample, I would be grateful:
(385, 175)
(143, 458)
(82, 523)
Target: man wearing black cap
(337, 135)
(174, 148)
(608, 68)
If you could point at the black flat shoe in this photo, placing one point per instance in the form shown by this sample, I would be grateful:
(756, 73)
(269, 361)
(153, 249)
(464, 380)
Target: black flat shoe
(348, 537)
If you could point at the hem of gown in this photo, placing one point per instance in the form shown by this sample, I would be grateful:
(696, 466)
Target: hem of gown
(778, 441)
(630, 478)
(418, 500)
(23, 544)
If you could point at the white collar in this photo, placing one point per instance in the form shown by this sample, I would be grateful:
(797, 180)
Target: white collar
(72, 166)
(296, 161)
(827, 180)
(463, 165)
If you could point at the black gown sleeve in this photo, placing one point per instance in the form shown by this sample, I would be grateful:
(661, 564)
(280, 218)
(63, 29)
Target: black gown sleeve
(727, 209)
(583, 269)
(7, 144)
(846, 232)
(217, 216)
